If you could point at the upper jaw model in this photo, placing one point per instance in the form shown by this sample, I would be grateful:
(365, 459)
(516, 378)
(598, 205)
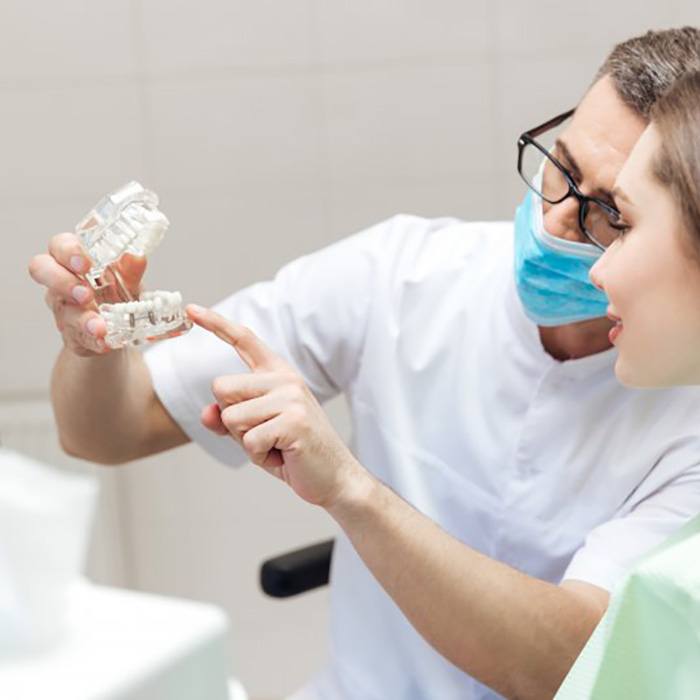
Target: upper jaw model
(129, 221)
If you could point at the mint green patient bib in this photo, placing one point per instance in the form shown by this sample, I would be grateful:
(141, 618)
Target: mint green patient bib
(647, 646)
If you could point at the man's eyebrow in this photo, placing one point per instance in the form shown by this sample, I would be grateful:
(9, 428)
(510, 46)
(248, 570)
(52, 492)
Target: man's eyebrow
(600, 192)
(567, 154)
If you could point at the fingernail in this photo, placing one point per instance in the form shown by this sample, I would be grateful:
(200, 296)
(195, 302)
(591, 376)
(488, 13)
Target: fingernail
(76, 263)
(80, 294)
(92, 325)
(196, 309)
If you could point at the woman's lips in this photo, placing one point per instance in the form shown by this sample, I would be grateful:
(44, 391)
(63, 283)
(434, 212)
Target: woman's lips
(616, 329)
(615, 332)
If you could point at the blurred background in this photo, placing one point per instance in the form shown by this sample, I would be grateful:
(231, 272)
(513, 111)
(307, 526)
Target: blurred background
(268, 129)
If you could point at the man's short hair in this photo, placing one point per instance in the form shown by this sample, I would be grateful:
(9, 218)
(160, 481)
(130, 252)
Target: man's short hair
(644, 67)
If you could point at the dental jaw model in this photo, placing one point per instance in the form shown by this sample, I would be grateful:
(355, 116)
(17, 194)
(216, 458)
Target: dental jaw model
(128, 221)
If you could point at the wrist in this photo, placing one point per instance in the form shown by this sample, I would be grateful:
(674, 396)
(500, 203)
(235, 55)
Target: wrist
(356, 495)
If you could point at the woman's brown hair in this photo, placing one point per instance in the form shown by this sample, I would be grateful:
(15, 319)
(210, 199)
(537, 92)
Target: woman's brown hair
(676, 116)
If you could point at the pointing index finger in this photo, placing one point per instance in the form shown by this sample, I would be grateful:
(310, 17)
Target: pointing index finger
(249, 347)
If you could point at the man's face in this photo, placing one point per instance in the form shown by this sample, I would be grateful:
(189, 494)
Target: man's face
(593, 147)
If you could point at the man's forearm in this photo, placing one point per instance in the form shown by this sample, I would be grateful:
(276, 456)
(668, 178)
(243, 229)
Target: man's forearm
(517, 634)
(104, 406)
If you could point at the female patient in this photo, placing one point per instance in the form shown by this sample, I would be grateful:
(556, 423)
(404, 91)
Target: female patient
(648, 644)
(651, 275)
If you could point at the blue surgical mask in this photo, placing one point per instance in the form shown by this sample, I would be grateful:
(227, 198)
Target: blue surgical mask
(551, 273)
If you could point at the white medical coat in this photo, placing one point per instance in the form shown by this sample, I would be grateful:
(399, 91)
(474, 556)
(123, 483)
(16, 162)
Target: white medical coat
(551, 467)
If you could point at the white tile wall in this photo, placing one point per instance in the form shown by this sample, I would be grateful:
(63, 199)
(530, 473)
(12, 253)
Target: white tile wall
(184, 37)
(69, 40)
(373, 115)
(269, 129)
(213, 133)
(546, 28)
(393, 31)
(68, 141)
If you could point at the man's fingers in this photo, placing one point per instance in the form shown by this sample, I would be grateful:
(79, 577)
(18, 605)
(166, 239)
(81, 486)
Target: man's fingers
(248, 346)
(67, 250)
(259, 443)
(81, 328)
(132, 268)
(84, 331)
(88, 325)
(234, 388)
(45, 270)
(211, 419)
(242, 417)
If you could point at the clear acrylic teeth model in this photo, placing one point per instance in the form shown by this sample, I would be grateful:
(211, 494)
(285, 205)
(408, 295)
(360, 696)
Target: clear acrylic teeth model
(128, 221)
(156, 315)
(125, 221)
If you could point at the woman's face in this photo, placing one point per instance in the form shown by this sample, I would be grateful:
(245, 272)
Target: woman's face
(652, 279)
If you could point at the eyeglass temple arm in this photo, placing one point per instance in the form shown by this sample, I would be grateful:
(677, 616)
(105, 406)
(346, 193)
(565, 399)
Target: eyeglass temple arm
(555, 121)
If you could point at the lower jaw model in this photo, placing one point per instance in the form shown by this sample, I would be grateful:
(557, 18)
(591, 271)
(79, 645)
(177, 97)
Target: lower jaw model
(156, 315)
(128, 221)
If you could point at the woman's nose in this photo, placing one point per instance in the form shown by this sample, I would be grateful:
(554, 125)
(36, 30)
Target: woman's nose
(561, 220)
(597, 274)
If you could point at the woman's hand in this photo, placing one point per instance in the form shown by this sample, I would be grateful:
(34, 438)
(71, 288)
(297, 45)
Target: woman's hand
(70, 297)
(275, 417)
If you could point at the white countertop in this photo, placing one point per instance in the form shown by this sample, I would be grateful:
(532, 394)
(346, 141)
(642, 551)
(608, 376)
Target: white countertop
(123, 645)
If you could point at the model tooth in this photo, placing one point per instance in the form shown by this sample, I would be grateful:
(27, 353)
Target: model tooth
(101, 250)
(126, 232)
(114, 246)
(132, 220)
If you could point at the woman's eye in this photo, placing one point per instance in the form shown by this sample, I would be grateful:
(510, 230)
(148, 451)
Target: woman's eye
(621, 227)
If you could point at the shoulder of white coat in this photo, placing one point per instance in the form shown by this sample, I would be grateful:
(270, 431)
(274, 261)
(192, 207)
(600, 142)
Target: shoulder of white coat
(416, 246)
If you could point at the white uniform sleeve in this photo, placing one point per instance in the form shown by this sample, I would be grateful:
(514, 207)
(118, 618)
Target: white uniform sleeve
(314, 314)
(613, 548)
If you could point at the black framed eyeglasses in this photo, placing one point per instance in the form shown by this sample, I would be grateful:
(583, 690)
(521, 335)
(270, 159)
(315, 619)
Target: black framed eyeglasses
(597, 219)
